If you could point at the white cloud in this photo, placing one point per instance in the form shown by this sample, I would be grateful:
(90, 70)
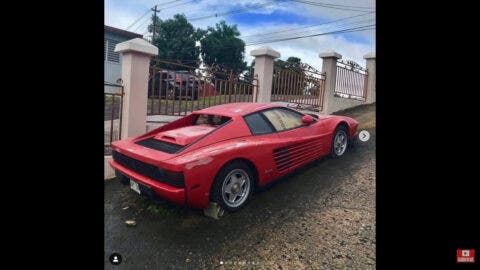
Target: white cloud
(309, 49)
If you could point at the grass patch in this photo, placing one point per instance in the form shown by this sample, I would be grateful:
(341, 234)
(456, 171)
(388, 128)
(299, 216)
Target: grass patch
(161, 210)
(208, 101)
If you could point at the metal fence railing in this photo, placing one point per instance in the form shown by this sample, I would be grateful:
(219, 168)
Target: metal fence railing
(302, 86)
(351, 81)
(178, 89)
(112, 107)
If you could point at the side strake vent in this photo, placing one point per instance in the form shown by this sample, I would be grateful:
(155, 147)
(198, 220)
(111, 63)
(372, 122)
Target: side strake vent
(292, 155)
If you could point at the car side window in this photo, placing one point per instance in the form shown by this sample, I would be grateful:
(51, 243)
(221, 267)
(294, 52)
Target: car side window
(258, 124)
(283, 119)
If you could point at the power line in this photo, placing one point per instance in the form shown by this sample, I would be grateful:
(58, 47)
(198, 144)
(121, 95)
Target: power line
(325, 27)
(314, 25)
(348, 30)
(181, 4)
(318, 4)
(349, 24)
(160, 9)
(142, 24)
(148, 10)
(138, 19)
(340, 31)
(166, 3)
(338, 5)
(257, 5)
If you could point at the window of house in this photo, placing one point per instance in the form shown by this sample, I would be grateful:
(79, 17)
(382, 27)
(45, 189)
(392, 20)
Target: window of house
(283, 119)
(109, 53)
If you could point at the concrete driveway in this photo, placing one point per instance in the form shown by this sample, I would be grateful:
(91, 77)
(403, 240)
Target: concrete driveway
(320, 217)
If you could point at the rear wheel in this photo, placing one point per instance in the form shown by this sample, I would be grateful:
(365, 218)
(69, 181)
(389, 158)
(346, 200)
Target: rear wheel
(339, 142)
(233, 186)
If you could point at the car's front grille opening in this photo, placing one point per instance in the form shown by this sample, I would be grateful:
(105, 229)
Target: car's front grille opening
(175, 179)
(165, 147)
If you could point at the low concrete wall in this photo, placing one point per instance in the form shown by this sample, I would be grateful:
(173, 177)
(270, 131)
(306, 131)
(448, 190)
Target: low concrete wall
(108, 172)
(338, 103)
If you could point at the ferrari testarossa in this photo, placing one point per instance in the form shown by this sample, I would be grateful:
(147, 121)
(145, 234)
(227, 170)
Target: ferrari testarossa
(222, 153)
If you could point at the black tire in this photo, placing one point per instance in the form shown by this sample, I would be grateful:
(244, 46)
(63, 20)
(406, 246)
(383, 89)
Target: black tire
(217, 186)
(340, 130)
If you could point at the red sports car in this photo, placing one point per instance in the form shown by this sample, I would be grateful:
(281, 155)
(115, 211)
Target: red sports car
(223, 153)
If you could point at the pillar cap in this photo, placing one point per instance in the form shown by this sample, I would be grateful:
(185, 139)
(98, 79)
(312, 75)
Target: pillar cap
(331, 54)
(369, 55)
(136, 45)
(265, 51)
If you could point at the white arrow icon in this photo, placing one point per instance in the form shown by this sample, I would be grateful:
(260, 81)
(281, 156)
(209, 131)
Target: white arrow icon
(364, 135)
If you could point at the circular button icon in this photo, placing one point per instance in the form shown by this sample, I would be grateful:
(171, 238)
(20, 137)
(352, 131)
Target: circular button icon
(115, 259)
(364, 136)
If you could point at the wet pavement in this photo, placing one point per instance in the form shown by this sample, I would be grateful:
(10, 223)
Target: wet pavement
(320, 217)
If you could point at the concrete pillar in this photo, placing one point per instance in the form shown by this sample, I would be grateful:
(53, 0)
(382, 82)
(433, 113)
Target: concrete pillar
(264, 59)
(371, 84)
(329, 66)
(135, 68)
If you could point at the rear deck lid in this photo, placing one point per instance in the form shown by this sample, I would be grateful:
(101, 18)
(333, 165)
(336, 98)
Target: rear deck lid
(184, 135)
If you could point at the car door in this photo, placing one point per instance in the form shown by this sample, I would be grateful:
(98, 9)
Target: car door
(299, 143)
(265, 139)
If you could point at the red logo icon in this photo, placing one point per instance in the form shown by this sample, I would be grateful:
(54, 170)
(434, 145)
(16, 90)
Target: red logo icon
(465, 255)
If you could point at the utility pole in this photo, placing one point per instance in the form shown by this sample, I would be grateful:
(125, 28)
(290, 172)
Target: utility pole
(154, 22)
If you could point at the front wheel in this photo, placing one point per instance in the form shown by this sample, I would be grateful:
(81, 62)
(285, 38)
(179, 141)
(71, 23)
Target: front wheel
(233, 186)
(339, 142)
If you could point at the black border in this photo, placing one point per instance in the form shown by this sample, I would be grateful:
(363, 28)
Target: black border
(427, 189)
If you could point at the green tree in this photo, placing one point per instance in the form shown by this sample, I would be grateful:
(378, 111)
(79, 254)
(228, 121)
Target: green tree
(292, 63)
(176, 41)
(222, 48)
(292, 66)
(248, 75)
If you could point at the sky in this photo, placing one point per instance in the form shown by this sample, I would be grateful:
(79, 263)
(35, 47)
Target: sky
(285, 18)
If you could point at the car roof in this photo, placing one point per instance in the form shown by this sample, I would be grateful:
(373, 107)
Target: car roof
(236, 109)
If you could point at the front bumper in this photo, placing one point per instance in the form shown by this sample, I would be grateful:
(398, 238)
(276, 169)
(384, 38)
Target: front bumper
(173, 194)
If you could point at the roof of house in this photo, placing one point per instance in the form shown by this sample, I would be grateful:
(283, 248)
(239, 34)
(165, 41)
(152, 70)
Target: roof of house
(122, 32)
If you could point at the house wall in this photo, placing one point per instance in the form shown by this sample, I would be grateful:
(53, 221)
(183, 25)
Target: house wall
(113, 70)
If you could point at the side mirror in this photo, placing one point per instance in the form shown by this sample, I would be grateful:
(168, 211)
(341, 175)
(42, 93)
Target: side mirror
(307, 119)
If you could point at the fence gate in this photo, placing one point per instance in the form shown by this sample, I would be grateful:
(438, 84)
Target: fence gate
(302, 85)
(351, 81)
(179, 89)
(112, 116)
